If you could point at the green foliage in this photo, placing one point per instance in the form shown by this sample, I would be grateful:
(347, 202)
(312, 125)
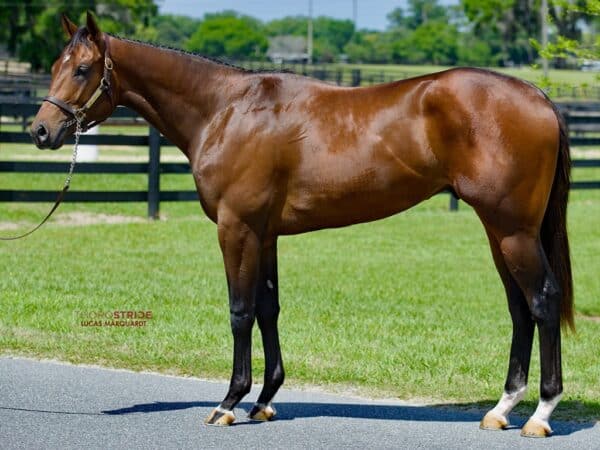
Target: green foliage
(330, 36)
(33, 32)
(474, 32)
(506, 26)
(419, 13)
(173, 30)
(472, 51)
(370, 47)
(291, 25)
(229, 34)
(435, 42)
(420, 34)
(569, 42)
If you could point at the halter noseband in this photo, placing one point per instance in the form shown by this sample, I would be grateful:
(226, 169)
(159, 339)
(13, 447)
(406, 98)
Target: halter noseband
(104, 87)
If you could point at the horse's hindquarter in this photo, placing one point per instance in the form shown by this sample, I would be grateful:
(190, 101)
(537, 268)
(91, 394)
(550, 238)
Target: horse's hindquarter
(363, 155)
(498, 139)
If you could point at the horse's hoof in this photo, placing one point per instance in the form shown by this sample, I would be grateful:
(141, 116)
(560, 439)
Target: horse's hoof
(493, 421)
(220, 417)
(536, 428)
(262, 412)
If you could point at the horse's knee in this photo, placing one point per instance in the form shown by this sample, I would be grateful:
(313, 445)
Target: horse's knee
(241, 321)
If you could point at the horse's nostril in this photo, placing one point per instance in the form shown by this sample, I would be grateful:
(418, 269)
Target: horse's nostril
(42, 132)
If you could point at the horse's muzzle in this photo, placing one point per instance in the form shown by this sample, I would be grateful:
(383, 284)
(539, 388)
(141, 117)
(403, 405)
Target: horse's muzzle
(42, 136)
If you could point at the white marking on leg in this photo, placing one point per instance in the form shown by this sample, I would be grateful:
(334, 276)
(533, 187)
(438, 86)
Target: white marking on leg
(269, 284)
(507, 402)
(223, 410)
(544, 410)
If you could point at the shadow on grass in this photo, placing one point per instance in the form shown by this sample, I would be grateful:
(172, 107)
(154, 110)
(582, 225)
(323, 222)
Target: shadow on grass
(451, 412)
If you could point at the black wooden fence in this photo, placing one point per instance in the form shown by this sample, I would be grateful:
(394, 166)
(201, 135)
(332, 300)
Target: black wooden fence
(584, 121)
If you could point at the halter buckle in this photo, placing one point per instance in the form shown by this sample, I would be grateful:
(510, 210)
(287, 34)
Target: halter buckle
(79, 114)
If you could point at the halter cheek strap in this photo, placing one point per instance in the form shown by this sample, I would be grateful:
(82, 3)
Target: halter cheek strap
(78, 114)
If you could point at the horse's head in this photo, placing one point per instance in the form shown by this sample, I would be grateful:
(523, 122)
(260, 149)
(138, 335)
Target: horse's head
(82, 86)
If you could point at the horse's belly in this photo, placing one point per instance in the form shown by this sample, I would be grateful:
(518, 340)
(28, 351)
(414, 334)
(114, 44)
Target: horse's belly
(317, 208)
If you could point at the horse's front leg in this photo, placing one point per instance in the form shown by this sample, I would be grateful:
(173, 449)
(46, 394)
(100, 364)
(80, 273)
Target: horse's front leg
(241, 248)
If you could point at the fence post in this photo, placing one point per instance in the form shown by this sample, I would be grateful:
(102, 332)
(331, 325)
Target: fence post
(356, 77)
(453, 202)
(153, 173)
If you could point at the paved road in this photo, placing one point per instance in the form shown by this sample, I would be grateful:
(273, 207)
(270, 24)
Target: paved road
(51, 405)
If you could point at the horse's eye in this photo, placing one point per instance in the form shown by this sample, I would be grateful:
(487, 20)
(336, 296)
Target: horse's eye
(81, 70)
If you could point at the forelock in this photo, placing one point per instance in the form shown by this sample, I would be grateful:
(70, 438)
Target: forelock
(80, 37)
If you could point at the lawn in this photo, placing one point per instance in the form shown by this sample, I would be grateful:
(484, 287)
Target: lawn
(409, 307)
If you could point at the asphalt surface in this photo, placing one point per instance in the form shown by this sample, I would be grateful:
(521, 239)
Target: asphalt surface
(52, 405)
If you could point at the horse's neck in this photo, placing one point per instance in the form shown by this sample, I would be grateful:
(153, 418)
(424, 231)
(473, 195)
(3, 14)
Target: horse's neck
(175, 92)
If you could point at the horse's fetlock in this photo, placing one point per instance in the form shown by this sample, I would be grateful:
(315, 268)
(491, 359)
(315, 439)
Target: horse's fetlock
(241, 385)
(277, 378)
(550, 390)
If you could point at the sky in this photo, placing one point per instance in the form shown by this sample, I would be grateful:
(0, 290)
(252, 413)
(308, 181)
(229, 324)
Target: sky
(371, 13)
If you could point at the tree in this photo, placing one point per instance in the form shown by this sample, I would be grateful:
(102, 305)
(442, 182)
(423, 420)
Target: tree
(370, 47)
(567, 17)
(506, 25)
(174, 30)
(229, 34)
(423, 34)
(434, 43)
(419, 12)
(291, 25)
(32, 31)
(330, 35)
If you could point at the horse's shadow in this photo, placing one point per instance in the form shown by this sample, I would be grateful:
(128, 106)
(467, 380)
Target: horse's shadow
(460, 412)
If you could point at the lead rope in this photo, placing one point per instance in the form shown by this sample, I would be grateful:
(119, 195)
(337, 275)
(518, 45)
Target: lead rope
(61, 194)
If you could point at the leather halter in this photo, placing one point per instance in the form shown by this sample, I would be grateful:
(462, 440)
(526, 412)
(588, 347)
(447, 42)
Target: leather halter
(78, 114)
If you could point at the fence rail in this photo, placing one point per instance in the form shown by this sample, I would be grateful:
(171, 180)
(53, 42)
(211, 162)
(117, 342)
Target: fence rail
(575, 113)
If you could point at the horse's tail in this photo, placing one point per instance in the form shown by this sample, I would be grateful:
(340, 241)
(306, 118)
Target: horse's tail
(554, 227)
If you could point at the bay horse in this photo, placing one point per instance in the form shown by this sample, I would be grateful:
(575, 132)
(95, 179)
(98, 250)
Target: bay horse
(277, 154)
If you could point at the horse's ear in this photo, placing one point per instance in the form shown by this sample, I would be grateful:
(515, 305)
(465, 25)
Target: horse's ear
(69, 27)
(92, 27)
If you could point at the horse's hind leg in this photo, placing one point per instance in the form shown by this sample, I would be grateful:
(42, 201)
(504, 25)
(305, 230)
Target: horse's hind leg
(267, 312)
(520, 351)
(527, 262)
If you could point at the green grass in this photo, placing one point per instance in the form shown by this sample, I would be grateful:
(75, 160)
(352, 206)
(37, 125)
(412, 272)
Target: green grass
(409, 306)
